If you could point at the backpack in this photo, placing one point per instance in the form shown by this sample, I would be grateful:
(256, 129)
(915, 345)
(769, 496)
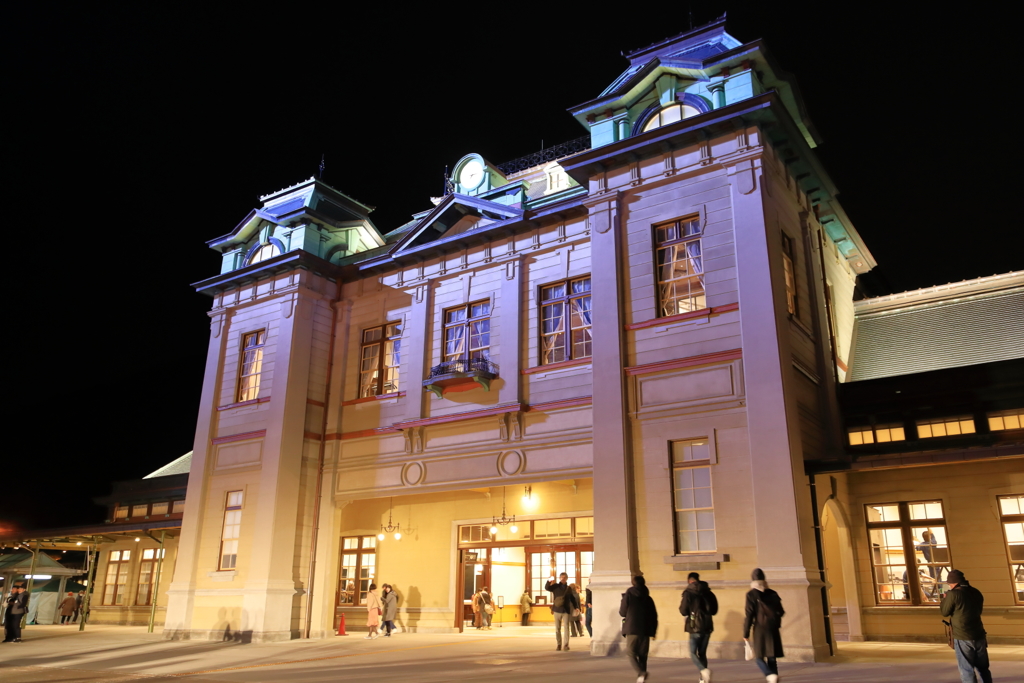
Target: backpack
(767, 617)
(700, 619)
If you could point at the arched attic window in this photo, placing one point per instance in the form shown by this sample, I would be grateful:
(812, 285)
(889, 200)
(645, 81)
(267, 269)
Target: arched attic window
(656, 116)
(262, 252)
(669, 114)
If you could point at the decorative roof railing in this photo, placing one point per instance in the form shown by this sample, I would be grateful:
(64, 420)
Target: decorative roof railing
(547, 154)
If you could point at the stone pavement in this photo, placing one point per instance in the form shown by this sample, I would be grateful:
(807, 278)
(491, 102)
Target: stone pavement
(108, 654)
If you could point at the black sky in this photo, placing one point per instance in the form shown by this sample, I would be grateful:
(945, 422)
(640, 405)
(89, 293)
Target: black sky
(135, 134)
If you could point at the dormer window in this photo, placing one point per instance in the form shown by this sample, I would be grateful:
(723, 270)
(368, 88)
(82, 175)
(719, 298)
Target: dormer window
(670, 114)
(266, 251)
(557, 179)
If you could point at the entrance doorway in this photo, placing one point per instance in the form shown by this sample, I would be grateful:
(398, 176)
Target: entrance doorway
(508, 564)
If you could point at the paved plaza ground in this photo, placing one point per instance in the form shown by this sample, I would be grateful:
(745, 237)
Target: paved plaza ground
(125, 653)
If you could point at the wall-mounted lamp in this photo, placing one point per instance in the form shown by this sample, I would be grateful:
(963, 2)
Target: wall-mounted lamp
(527, 494)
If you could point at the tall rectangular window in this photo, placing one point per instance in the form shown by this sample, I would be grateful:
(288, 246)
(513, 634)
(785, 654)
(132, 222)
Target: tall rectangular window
(467, 332)
(231, 531)
(358, 567)
(251, 365)
(1011, 515)
(115, 586)
(909, 552)
(680, 267)
(691, 495)
(566, 320)
(790, 273)
(380, 359)
(147, 572)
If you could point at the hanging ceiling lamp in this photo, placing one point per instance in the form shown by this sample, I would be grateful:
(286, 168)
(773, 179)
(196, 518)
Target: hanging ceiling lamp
(503, 520)
(390, 528)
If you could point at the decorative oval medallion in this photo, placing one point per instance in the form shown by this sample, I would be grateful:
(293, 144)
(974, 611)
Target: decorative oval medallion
(413, 474)
(511, 462)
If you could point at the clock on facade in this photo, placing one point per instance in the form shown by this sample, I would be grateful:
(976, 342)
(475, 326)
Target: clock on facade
(471, 174)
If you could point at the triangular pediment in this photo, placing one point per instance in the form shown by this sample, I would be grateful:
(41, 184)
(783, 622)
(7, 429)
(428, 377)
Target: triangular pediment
(457, 214)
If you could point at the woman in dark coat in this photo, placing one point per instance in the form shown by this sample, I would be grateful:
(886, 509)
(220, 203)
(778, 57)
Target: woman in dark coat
(764, 612)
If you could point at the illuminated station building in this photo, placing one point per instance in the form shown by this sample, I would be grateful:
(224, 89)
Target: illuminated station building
(646, 347)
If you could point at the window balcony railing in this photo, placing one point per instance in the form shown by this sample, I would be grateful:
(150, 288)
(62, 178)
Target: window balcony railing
(461, 375)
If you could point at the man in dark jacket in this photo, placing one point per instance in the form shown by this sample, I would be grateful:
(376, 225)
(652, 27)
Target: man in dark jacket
(963, 604)
(563, 602)
(639, 625)
(764, 612)
(590, 611)
(698, 605)
(17, 608)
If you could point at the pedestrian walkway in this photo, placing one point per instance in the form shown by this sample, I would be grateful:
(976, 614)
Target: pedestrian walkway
(105, 654)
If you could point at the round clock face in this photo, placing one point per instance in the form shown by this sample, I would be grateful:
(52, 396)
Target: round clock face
(472, 174)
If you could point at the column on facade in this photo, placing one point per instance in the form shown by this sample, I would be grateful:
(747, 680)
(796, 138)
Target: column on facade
(271, 586)
(776, 460)
(615, 558)
(418, 323)
(511, 318)
(181, 592)
(717, 90)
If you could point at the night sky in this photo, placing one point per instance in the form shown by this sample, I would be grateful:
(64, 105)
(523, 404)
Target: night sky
(134, 135)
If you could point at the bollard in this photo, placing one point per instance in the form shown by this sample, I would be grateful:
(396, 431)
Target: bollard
(341, 626)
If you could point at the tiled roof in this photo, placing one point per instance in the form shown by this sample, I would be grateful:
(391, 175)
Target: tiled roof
(969, 323)
(179, 466)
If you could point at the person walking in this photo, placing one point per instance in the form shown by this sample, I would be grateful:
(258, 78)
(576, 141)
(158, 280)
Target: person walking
(590, 611)
(763, 612)
(562, 604)
(78, 605)
(576, 615)
(486, 608)
(16, 609)
(963, 605)
(374, 609)
(526, 607)
(474, 602)
(639, 625)
(698, 605)
(390, 600)
(67, 608)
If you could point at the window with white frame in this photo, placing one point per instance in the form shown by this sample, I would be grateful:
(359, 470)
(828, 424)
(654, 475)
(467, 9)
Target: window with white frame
(680, 265)
(692, 496)
(566, 321)
(467, 332)
(251, 365)
(380, 360)
(1011, 515)
(1007, 419)
(950, 426)
(231, 531)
